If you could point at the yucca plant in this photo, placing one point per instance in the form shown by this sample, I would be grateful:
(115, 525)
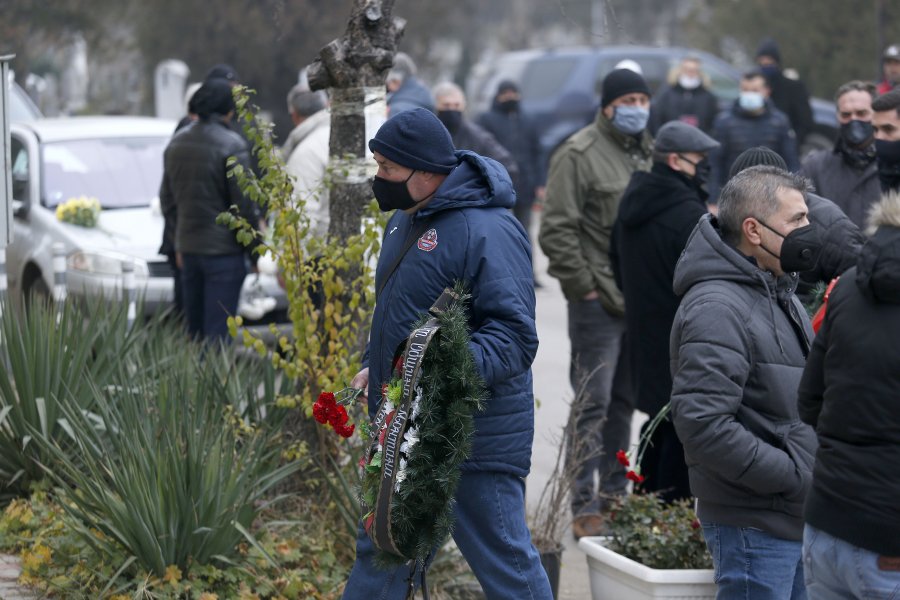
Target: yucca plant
(164, 467)
(43, 355)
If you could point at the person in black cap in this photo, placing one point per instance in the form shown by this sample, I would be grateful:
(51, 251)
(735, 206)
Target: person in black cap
(451, 222)
(195, 189)
(517, 133)
(890, 64)
(788, 95)
(587, 176)
(658, 212)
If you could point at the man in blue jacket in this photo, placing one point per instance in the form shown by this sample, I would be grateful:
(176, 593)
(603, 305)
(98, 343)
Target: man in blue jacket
(452, 223)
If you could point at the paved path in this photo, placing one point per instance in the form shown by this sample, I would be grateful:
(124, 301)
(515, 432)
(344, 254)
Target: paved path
(9, 575)
(553, 392)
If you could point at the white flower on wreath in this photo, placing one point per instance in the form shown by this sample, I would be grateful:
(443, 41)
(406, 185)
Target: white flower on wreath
(416, 404)
(401, 474)
(411, 438)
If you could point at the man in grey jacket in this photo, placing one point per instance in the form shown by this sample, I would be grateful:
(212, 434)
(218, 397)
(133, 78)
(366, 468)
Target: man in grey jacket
(738, 347)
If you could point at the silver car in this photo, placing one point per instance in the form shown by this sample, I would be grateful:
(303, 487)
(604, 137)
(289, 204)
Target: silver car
(119, 161)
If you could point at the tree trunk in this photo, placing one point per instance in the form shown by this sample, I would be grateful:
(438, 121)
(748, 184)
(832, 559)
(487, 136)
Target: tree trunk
(353, 68)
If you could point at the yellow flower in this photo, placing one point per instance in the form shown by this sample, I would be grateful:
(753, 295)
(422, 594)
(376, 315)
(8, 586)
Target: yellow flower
(173, 574)
(208, 596)
(37, 556)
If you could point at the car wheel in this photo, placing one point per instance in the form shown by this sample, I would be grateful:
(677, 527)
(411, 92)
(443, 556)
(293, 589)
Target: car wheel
(36, 291)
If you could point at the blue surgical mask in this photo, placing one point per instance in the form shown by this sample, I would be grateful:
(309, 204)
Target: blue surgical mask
(751, 101)
(630, 120)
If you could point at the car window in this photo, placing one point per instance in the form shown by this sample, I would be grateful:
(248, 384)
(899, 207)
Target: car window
(723, 83)
(655, 68)
(544, 77)
(120, 173)
(19, 155)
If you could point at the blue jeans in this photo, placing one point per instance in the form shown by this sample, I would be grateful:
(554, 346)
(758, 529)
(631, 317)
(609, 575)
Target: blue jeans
(751, 564)
(490, 532)
(211, 286)
(835, 570)
(604, 402)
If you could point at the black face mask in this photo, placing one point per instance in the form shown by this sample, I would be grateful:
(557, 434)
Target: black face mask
(451, 119)
(392, 195)
(509, 106)
(888, 154)
(856, 133)
(800, 249)
(701, 175)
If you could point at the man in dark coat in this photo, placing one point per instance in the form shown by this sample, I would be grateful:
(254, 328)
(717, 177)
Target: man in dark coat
(453, 223)
(841, 240)
(656, 216)
(686, 99)
(196, 188)
(516, 132)
(739, 344)
(405, 91)
(752, 121)
(850, 392)
(848, 173)
(450, 104)
(886, 121)
(788, 95)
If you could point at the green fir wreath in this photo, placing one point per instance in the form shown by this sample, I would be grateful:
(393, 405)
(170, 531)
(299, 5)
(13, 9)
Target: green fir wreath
(437, 438)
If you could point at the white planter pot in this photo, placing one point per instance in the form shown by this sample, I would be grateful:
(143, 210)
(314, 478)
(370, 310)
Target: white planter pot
(614, 576)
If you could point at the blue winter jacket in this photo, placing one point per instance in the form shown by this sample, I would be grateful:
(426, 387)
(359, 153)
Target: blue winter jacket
(471, 236)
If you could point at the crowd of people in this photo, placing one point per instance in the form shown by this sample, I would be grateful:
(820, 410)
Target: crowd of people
(683, 239)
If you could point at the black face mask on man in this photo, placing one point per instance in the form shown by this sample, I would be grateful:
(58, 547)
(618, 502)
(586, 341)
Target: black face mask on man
(451, 119)
(800, 249)
(508, 106)
(393, 195)
(888, 153)
(701, 175)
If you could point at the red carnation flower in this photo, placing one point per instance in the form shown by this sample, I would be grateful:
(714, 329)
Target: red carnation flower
(320, 413)
(622, 458)
(370, 520)
(695, 524)
(340, 416)
(635, 477)
(345, 431)
(326, 398)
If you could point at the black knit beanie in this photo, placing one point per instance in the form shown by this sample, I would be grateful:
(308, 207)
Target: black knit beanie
(416, 139)
(213, 98)
(620, 82)
(769, 48)
(755, 157)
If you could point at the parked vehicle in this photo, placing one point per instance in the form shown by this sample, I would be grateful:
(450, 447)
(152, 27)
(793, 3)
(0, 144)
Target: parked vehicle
(118, 161)
(558, 86)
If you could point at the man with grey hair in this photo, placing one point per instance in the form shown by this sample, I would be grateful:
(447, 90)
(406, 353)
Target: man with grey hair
(404, 89)
(738, 347)
(450, 103)
(306, 152)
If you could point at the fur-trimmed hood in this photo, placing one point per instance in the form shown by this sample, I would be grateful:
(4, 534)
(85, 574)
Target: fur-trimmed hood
(885, 212)
(878, 266)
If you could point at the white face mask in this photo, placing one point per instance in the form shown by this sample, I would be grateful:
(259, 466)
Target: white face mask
(751, 100)
(688, 82)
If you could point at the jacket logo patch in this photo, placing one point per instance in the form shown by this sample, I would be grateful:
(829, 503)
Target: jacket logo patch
(428, 241)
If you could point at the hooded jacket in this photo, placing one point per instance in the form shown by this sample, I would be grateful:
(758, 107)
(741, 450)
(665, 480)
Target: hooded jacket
(853, 189)
(738, 347)
(588, 174)
(841, 243)
(656, 216)
(737, 130)
(850, 392)
(471, 236)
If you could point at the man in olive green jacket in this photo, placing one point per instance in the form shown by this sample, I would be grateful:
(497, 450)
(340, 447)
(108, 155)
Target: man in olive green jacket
(588, 174)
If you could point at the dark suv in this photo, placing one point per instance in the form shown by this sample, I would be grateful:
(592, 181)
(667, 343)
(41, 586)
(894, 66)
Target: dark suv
(559, 85)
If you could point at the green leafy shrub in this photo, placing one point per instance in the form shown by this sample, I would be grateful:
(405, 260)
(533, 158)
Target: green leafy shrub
(45, 354)
(657, 535)
(164, 466)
